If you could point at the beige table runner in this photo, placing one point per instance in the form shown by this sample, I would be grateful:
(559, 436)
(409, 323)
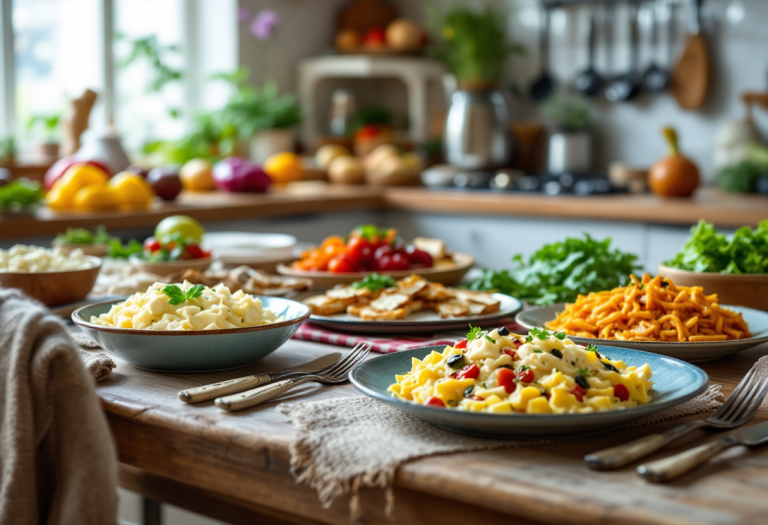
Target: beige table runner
(333, 453)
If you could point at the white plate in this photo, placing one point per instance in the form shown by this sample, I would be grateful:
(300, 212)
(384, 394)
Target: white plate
(244, 247)
(701, 351)
(418, 322)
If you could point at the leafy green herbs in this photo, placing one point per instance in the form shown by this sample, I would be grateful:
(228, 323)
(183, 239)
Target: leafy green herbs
(83, 236)
(543, 335)
(178, 296)
(20, 193)
(118, 251)
(370, 232)
(746, 251)
(560, 271)
(583, 372)
(591, 348)
(375, 282)
(741, 177)
(536, 351)
(475, 332)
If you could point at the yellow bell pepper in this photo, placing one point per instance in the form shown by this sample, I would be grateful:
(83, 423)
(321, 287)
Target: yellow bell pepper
(62, 194)
(96, 198)
(131, 190)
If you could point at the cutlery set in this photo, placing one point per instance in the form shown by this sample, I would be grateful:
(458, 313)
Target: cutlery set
(248, 391)
(735, 412)
(244, 392)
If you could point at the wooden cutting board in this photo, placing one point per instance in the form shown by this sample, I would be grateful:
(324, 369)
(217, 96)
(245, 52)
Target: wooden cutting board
(692, 73)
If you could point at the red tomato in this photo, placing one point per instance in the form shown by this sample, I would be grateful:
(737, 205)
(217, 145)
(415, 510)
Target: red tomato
(434, 402)
(341, 264)
(360, 250)
(579, 393)
(510, 353)
(461, 344)
(476, 398)
(621, 392)
(194, 251)
(506, 378)
(151, 244)
(382, 250)
(419, 258)
(526, 376)
(469, 372)
(399, 262)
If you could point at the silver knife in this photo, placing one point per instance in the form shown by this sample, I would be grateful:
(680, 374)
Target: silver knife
(232, 386)
(674, 466)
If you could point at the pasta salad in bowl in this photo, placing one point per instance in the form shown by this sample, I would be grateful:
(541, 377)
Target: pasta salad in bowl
(500, 384)
(185, 327)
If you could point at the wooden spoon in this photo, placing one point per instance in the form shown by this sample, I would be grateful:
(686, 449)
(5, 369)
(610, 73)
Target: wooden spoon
(691, 75)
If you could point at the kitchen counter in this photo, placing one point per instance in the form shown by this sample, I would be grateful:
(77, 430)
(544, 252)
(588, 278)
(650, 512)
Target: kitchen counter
(711, 204)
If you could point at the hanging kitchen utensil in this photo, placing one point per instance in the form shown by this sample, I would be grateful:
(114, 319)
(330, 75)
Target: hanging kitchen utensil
(589, 82)
(543, 86)
(627, 87)
(655, 78)
(691, 75)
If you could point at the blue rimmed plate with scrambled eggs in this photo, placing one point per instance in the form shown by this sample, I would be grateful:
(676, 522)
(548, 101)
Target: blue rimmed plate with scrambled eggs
(500, 384)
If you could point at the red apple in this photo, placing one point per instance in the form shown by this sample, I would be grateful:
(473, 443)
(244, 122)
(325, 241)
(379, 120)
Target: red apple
(375, 37)
(60, 167)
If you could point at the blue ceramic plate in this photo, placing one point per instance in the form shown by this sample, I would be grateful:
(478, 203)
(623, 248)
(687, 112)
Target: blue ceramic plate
(198, 350)
(675, 382)
(691, 352)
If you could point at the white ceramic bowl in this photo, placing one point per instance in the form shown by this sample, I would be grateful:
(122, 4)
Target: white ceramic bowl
(235, 248)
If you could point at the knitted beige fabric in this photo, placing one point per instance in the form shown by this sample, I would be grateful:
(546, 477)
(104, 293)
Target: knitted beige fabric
(333, 453)
(58, 464)
(98, 365)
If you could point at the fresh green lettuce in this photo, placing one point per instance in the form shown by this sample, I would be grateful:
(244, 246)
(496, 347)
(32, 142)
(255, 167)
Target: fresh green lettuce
(746, 251)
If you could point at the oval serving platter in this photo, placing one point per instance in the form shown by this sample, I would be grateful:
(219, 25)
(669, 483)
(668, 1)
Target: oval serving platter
(417, 322)
(675, 382)
(691, 352)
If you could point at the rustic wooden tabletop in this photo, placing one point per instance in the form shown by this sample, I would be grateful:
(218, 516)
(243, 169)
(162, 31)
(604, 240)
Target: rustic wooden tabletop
(235, 466)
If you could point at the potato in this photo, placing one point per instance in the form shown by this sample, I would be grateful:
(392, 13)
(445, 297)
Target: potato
(374, 159)
(392, 171)
(346, 170)
(404, 35)
(329, 152)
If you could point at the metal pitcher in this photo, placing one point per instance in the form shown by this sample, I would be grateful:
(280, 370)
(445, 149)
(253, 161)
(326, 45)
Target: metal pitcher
(477, 129)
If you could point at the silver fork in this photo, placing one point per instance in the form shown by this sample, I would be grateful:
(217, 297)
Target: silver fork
(334, 374)
(737, 410)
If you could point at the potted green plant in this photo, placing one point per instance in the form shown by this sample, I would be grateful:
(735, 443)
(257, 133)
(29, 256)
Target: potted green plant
(7, 151)
(570, 142)
(48, 149)
(264, 118)
(474, 46)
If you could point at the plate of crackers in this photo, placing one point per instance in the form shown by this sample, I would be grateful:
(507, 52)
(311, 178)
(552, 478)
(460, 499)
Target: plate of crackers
(379, 304)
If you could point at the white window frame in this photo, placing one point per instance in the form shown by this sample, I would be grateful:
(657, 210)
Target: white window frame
(191, 45)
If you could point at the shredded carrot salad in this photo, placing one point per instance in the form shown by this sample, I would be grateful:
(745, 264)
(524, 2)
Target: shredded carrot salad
(654, 309)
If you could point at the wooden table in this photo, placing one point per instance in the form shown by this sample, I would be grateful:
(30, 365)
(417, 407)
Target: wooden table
(235, 467)
(719, 208)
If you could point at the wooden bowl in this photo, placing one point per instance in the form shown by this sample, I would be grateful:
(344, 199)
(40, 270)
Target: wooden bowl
(445, 274)
(750, 290)
(55, 288)
(167, 268)
(98, 250)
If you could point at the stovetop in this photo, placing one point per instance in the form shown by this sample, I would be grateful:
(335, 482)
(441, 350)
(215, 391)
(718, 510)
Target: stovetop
(540, 183)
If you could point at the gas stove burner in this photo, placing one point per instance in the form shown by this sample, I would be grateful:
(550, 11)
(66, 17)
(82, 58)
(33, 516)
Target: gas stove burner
(542, 183)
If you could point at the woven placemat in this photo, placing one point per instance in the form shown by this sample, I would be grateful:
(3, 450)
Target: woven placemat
(332, 451)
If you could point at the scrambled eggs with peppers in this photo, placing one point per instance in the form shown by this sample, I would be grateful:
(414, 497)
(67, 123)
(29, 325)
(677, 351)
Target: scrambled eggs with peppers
(187, 307)
(543, 373)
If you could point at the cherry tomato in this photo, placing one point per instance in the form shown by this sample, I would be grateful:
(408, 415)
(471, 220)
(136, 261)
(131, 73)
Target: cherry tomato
(433, 401)
(476, 398)
(510, 353)
(418, 258)
(506, 378)
(526, 376)
(341, 264)
(621, 392)
(399, 262)
(382, 250)
(194, 251)
(579, 392)
(469, 372)
(461, 344)
(152, 244)
(359, 250)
